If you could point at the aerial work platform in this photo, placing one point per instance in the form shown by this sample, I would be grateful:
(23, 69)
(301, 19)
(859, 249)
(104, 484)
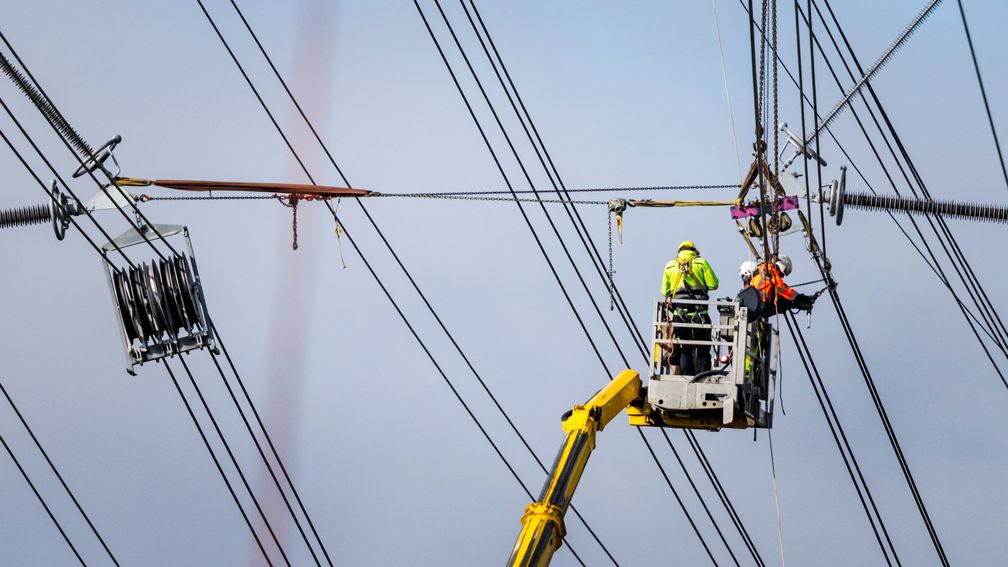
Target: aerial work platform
(738, 392)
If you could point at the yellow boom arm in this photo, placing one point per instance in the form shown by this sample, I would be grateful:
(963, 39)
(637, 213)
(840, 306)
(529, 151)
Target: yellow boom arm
(543, 525)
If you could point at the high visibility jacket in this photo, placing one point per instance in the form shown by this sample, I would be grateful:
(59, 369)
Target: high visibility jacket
(767, 279)
(688, 271)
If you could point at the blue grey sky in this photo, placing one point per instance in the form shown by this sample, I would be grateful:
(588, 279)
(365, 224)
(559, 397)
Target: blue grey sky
(392, 469)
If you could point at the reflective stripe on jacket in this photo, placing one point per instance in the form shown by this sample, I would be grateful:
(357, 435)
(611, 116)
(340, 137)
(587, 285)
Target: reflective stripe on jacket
(698, 276)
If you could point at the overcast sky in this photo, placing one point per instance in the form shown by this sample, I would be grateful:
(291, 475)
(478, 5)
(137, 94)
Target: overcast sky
(390, 466)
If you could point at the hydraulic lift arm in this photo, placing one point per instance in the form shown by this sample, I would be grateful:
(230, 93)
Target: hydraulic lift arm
(543, 525)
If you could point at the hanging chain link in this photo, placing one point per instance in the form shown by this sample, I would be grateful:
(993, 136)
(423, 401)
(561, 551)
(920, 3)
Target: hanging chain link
(612, 299)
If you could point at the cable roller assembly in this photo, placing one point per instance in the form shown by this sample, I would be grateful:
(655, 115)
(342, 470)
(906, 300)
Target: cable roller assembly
(159, 304)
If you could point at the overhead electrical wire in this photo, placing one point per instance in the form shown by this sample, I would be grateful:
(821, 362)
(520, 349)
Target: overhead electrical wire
(56, 473)
(943, 233)
(858, 488)
(983, 92)
(234, 462)
(532, 229)
(585, 237)
(41, 500)
(53, 116)
(876, 400)
(103, 254)
(932, 263)
(217, 464)
(357, 249)
(975, 295)
(875, 520)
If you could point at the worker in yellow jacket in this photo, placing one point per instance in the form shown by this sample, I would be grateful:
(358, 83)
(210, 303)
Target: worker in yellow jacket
(690, 277)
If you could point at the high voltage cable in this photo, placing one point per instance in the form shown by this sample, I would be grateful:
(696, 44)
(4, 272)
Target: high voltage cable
(974, 294)
(876, 400)
(104, 256)
(953, 251)
(525, 173)
(391, 250)
(213, 456)
(841, 441)
(805, 99)
(353, 243)
(983, 92)
(56, 472)
(234, 462)
(262, 454)
(932, 263)
(41, 500)
(585, 237)
(52, 115)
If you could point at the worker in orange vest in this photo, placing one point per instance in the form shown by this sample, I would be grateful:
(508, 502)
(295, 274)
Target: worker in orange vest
(778, 296)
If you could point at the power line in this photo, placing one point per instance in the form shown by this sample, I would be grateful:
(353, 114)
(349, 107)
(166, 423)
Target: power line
(353, 243)
(983, 92)
(56, 472)
(869, 381)
(841, 441)
(213, 456)
(262, 454)
(941, 231)
(933, 262)
(584, 235)
(234, 462)
(61, 126)
(41, 500)
(533, 231)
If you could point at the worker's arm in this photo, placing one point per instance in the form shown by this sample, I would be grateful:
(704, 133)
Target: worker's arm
(542, 525)
(707, 273)
(666, 284)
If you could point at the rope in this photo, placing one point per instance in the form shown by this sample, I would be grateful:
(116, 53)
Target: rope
(776, 496)
(724, 78)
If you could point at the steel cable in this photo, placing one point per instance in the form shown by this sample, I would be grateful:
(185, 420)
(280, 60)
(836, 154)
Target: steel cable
(353, 243)
(535, 234)
(586, 240)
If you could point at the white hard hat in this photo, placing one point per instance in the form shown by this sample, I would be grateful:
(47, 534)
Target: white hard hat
(784, 264)
(747, 269)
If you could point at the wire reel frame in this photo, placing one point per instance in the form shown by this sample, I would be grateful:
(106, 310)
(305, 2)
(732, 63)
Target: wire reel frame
(159, 305)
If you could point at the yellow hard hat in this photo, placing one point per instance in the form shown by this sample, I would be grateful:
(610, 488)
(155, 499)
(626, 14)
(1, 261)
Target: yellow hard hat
(687, 245)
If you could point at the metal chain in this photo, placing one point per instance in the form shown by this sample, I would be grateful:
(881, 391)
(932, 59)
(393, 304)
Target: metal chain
(762, 69)
(485, 198)
(776, 117)
(612, 299)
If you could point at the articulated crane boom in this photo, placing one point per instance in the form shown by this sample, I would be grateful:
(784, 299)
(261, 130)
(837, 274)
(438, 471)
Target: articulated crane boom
(543, 525)
(737, 395)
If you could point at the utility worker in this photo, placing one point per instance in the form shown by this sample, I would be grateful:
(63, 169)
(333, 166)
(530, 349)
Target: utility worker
(689, 277)
(777, 296)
